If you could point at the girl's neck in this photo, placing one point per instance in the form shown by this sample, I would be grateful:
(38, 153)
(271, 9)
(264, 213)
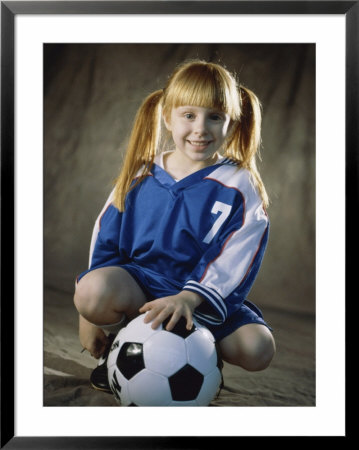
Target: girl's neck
(180, 167)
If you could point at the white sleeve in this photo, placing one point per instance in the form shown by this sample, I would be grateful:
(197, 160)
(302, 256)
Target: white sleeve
(96, 227)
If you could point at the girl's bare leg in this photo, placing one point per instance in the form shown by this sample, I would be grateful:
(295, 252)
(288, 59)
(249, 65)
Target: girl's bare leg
(104, 295)
(251, 346)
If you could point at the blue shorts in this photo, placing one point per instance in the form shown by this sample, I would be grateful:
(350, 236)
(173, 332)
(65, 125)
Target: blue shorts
(155, 286)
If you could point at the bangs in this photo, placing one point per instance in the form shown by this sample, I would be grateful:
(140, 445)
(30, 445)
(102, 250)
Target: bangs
(206, 86)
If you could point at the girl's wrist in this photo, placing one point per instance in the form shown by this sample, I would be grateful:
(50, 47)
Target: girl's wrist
(194, 298)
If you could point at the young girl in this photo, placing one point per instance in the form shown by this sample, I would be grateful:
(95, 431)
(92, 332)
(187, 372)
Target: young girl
(184, 231)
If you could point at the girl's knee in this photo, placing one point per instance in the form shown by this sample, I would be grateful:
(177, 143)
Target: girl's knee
(105, 293)
(259, 357)
(259, 352)
(90, 296)
(251, 347)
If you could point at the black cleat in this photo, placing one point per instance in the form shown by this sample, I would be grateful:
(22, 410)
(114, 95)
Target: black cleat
(99, 377)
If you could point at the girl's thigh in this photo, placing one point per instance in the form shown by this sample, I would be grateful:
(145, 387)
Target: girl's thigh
(251, 346)
(109, 289)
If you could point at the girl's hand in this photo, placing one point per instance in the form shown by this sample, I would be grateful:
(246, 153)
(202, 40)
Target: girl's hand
(92, 338)
(176, 306)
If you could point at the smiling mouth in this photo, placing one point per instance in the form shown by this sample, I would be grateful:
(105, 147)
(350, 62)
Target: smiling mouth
(200, 143)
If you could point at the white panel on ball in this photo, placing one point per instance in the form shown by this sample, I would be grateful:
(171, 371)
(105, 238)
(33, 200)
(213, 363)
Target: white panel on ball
(165, 353)
(149, 389)
(204, 330)
(137, 330)
(201, 352)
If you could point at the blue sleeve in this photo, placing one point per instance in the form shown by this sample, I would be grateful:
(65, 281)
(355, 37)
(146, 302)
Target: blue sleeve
(104, 248)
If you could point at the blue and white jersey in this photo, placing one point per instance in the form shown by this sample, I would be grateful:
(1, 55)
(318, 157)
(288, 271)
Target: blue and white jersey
(206, 233)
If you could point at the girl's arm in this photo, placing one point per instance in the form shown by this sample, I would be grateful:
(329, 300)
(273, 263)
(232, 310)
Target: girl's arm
(104, 249)
(231, 266)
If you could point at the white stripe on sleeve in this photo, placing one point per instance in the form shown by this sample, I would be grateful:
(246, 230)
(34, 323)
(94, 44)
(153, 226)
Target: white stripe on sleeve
(96, 227)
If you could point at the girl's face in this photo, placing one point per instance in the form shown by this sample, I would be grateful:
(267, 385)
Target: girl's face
(197, 132)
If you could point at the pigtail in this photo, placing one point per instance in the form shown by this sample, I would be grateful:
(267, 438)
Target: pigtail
(245, 139)
(141, 149)
(250, 124)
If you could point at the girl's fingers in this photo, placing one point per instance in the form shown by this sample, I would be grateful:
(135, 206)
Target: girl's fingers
(189, 321)
(151, 314)
(144, 308)
(96, 351)
(160, 318)
(174, 319)
(158, 310)
(155, 314)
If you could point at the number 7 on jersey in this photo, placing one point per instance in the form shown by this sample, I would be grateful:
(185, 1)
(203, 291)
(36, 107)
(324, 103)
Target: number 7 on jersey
(225, 210)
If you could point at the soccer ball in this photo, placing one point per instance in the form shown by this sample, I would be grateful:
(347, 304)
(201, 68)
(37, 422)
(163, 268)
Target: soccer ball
(149, 367)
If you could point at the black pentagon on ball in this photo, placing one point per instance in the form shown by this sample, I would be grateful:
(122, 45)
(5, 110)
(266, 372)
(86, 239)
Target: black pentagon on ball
(186, 383)
(130, 359)
(180, 327)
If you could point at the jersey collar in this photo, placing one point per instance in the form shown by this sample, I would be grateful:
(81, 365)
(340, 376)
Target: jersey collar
(166, 179)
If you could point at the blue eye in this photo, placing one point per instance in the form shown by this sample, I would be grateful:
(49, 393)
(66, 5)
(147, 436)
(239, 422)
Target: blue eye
(215, 117)
(189, 116)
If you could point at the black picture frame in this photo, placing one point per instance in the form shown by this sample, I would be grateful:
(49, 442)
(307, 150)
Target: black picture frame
(9, 10)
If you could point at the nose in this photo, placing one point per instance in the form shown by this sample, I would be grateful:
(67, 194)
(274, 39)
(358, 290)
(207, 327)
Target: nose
(201, 126)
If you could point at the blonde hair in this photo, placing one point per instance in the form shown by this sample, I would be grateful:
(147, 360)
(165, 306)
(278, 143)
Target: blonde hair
(197, 83)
